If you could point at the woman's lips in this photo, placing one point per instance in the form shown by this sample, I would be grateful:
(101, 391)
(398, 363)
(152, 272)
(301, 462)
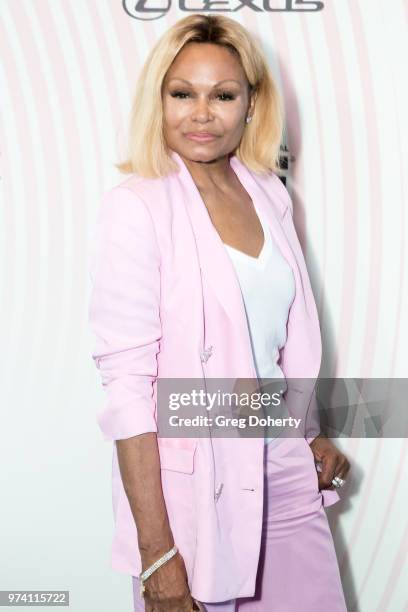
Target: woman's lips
(204, 137)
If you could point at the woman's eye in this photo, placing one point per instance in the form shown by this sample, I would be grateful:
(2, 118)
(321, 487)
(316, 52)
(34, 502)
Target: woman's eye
(176, 94)
(227, 95)
(182, 94)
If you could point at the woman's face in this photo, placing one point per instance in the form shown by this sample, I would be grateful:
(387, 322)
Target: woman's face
(205, 91)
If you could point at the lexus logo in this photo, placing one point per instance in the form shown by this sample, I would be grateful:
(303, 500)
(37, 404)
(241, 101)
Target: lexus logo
(148, 10)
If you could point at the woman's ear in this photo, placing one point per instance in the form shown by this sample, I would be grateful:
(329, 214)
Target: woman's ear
(253, 94)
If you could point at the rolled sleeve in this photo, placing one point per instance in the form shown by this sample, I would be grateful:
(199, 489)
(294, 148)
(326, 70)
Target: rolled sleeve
(124, 313)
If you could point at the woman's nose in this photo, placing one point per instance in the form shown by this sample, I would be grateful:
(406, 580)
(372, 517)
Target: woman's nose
(201, 111)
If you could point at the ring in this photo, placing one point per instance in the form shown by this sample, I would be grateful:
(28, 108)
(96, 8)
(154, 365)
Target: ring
(338, 482)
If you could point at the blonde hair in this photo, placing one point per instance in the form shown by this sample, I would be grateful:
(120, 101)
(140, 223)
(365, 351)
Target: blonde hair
(148, 155)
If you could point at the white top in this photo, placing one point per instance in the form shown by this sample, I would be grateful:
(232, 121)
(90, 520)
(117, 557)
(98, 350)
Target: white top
(268, 290)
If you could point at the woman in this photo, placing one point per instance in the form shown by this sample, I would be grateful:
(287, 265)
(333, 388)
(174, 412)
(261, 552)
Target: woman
(198, 275)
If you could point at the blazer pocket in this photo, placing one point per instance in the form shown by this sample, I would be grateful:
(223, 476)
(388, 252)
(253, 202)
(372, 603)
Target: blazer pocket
(177, 459)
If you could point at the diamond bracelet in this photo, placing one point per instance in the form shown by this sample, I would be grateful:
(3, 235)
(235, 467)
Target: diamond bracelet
(149, 571)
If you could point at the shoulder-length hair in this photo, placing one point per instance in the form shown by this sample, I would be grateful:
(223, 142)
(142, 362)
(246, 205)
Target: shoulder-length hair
(148, 154)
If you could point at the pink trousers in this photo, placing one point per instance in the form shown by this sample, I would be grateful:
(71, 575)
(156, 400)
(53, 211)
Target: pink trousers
(298, 569)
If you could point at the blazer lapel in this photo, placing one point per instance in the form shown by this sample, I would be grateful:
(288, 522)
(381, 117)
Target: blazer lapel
(264, 201)
(215, 264)
(218, 271)
(301, 355)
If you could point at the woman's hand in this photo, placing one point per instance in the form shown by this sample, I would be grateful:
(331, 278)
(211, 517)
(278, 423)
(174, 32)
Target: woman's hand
(334, 463)
(167, 590)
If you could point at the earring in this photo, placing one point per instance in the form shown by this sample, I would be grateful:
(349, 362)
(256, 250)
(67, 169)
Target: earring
(248, 119)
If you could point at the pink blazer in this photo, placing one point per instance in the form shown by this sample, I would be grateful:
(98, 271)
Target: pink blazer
(166, 302)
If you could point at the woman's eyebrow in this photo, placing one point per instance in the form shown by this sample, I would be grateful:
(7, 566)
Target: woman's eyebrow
(219, 82)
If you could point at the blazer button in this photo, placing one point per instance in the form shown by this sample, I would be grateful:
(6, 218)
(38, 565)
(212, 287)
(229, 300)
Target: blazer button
(218, 491)
(206, 354)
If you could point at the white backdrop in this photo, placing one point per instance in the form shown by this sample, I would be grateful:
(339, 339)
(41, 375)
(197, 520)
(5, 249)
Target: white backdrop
(67, 77)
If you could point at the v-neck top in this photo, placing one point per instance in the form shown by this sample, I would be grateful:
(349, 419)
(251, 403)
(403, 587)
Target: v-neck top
(268, 290)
